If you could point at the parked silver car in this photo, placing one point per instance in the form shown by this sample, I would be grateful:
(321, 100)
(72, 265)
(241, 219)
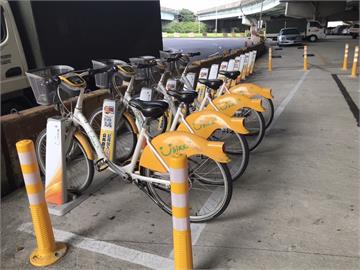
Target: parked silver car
(289, 36)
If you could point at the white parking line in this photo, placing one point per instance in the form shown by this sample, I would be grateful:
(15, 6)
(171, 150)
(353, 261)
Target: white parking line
(286, 101)
(101, 247)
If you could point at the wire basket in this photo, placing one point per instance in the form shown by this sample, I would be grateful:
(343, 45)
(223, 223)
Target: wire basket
(103, 80)
(45, 94)
(145, 66)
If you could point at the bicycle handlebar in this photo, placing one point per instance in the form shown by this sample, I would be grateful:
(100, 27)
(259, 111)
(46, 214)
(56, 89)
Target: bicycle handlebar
(90, 72)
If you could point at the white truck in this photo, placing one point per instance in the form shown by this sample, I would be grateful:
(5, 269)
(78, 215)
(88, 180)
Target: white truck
(15, 92)
(310, 29)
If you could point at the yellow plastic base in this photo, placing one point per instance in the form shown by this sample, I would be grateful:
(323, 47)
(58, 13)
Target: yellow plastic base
(44, 259)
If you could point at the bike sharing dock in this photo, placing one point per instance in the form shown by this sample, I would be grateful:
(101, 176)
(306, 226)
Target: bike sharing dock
(296, 206)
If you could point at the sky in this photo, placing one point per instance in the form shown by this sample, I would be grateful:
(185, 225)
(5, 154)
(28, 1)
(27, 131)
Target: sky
(193, 5)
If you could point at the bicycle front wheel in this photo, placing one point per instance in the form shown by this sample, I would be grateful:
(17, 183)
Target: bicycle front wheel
(79, 169)
(254, 122)
(236, 147)
(269, 111)
(210, 188)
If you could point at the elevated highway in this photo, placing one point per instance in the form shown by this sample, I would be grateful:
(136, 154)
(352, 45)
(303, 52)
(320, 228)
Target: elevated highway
(229, 16)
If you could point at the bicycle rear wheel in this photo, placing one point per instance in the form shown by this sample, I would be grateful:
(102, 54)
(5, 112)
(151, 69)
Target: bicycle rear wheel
(79, 169)
(210, 189)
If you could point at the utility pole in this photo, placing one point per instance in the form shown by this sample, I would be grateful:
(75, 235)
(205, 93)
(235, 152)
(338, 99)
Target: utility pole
(216, 15)
(260, 19)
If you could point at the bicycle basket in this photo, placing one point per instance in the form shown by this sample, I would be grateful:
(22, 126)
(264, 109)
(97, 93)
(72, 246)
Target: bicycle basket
(102, 80)
(144, 66)
(45, 94)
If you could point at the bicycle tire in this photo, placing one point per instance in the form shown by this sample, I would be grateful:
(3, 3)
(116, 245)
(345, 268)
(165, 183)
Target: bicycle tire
(256, 134)
(236, 147)
(165, 203)
(126, 138)
(76, 182)
(269, 113)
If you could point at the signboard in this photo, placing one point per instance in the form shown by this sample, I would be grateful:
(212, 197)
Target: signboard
(107, 133)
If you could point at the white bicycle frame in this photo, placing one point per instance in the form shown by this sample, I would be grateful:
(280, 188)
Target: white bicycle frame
(79, 119)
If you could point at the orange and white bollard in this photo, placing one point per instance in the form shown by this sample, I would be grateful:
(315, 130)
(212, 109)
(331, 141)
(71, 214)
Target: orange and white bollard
(355, 63)
(183, 258)
(47, 251)
(346, 57)
(270, 60)
(305, 58)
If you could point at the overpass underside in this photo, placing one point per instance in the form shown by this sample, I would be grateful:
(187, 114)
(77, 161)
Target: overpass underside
(230, 17)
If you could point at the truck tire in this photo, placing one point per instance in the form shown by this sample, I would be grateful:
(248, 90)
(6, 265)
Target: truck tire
(354, 36)
(313, 38)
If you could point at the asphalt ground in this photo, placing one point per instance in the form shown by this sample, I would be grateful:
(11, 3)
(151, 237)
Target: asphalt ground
(296, 206)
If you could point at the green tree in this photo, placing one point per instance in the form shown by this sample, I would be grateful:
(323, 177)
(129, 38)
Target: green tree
(184, 27)
(186, 15)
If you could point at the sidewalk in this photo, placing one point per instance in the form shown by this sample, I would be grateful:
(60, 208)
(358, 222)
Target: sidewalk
(296, 207)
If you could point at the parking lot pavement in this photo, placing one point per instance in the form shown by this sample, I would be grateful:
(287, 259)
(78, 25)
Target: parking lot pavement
(296, 207)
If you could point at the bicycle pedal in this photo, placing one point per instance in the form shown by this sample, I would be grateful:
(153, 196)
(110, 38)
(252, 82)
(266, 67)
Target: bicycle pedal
(101, 165)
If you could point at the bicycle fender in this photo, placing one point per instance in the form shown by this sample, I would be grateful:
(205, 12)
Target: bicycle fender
(85, 143)
(231, 103)
(175, 142)
(132, 122)
(251, 88)
(204, 123)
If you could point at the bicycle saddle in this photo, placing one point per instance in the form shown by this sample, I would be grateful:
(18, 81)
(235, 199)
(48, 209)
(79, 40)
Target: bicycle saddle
(213, 84)
(152, 109)
(230, 74)
(186, 96)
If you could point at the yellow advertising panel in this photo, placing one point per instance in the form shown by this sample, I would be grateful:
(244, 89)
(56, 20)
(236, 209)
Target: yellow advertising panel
(204, 123)
(176, 142)
(251, 88)
(231, 103)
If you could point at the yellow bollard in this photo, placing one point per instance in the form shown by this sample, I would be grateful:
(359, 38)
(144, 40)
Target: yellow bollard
(47, 251)
(183, 258)
(346, 56)
(305, 58)
(355, 63)
(270, 60)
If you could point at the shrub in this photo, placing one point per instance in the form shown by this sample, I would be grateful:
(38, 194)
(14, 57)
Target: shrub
(184, 27)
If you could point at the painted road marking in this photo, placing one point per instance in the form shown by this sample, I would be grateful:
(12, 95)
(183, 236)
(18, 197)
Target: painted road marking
(286, 101)
(105, 248)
